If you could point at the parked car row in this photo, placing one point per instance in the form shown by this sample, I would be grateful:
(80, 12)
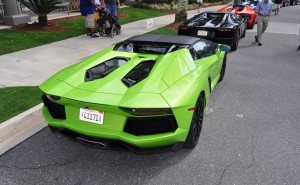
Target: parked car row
(148, 91)
(221, 27)
(227, 26)
(291, 2)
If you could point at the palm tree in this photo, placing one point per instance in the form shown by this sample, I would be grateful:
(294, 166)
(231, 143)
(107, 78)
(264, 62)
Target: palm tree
(181, 14)
(41, 8)
(237, 2)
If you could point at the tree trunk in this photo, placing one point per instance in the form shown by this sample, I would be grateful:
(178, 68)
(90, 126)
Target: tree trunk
(181, 14)
(43, 20)
(237, 2)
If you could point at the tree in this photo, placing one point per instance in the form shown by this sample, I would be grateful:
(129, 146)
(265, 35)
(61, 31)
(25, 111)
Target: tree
(181, 14)
(237, 2)
(41, 8)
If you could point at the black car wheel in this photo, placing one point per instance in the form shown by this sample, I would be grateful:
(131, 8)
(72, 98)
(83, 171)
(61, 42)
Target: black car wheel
(196, 124)
(244, 33)
(292, 2)
(251, 26)
(235, 42)
(285, 4)
(223, 69)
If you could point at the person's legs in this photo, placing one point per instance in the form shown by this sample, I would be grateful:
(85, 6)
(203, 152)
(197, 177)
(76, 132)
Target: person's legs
(265, 24)
(112, 9)
(200, 2)
(91, 24)
(86, 26)
(259, 28)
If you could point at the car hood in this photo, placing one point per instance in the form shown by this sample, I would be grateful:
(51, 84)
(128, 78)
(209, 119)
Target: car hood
(238, 9)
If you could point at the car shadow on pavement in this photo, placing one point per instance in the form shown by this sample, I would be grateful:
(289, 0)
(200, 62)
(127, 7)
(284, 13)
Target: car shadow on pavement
(70, 162)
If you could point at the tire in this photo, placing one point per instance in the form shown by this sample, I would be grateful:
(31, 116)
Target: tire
(235, 42)
(101, 33)
(284, 4)
(251, 26)
(196, 124)
(223, 68)
(244, 33)
(292, 3)
(119, 32)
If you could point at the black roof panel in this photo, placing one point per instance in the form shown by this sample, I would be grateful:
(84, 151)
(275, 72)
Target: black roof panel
(164, 39)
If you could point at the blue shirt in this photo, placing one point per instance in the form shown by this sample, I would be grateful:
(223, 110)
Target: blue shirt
(264, 8)
(86, 7)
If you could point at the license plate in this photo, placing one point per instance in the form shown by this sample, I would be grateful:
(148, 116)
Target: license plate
(202, 33)
(93, 116)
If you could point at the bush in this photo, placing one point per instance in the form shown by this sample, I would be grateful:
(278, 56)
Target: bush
(192, 1)
(157, 1)
(171, 5)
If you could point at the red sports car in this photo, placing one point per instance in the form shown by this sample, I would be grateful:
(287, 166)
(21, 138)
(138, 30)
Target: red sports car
(244, 11)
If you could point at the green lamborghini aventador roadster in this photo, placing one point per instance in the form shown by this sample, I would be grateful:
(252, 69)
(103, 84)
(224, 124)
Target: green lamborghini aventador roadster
(148, 91)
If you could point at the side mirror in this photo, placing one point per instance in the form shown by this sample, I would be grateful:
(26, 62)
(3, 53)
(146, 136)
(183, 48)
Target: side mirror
(224, 48)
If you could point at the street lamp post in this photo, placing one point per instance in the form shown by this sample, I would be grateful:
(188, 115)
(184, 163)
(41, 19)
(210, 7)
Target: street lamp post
(12, 16)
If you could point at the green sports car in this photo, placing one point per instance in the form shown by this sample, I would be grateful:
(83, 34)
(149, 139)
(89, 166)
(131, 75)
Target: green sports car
(148, 91)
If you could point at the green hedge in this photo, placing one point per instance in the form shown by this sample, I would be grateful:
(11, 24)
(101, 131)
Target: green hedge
(157, 1)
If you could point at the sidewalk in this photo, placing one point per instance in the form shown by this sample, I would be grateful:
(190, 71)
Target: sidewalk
(33, 66)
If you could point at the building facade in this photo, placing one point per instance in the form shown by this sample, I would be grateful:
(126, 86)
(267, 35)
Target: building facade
(13, 13)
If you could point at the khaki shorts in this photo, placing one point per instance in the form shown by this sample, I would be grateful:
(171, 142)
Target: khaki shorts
(89, 21)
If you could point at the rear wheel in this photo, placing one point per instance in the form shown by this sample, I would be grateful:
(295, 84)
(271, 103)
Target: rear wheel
(244, 33)
(196, 124)
(235, 42)
(223, 69)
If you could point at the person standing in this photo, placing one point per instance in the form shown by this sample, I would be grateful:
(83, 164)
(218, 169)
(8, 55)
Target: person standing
(200, 2)
(278, 4)
(87, 9)
(264, 9)
(112, 6)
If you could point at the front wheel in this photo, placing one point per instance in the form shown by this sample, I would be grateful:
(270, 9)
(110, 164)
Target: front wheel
(196, 124)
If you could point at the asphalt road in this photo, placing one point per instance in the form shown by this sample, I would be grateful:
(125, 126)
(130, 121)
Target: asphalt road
(250, 133)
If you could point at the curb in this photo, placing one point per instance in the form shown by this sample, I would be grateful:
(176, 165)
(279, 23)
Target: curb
(21, 127)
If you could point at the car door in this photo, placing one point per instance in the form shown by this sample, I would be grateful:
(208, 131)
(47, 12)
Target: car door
(204, 55)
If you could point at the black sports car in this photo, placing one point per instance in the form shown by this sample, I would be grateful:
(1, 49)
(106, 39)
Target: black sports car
(221, 27)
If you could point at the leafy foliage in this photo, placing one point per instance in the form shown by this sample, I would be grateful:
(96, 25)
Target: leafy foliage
(41, 8)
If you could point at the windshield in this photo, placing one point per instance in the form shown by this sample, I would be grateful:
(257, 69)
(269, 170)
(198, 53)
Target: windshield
(142, 48)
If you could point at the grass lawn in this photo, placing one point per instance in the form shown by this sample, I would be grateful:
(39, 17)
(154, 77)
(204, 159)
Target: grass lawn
(164, 30)
(15, 100)
(24, 98)
(12, 41)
